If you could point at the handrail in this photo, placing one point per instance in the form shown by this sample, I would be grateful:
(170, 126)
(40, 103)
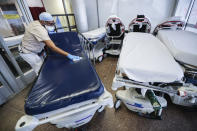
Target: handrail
(87, 45)
(70, 27)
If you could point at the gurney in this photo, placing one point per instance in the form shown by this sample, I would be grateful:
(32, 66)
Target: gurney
(115, 31)
(140, 24)
(66, 93)
(172, 23)
(182, 45)
(145, 64)
(95, 36)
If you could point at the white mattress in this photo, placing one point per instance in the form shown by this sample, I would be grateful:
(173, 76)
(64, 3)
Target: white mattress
(144, 58)
(95, 34)
(182, 45)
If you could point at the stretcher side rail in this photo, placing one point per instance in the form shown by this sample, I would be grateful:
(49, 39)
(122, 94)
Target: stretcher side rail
(130, 83)
(188, 67)
(87, 44)
(167, 89)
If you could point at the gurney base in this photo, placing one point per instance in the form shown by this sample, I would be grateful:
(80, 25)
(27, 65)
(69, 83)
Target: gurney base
(188, 99)
(113, 52)
(150, 116)
(72, 118)
(97, 52)
(137, 103)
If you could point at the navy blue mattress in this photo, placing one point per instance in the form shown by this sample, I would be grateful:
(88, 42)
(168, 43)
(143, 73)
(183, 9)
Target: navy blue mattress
(62, 82)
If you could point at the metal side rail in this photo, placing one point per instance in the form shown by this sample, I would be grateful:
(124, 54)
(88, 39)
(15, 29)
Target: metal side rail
(189, 89)
(86, 44)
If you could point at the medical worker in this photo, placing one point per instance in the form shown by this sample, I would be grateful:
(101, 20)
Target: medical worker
(36, 37)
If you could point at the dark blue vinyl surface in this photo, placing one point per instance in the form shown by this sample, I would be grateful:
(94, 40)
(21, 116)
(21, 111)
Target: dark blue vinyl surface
(62, 82)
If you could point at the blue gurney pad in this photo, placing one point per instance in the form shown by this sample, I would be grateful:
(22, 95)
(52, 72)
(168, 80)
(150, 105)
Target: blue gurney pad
(62, 82)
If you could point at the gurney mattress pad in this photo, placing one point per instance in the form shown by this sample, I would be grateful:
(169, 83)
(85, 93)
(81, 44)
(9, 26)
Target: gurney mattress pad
(62, 82)
(181, 44)
(144, 58)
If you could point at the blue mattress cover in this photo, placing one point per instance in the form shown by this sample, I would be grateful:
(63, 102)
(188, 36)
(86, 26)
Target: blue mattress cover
(62, 82)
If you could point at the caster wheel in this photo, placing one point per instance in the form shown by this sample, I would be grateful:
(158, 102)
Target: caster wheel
(101, 108)
(78, 129)
(59, 126)
(117, 104)
(105, 55)
(100, 58)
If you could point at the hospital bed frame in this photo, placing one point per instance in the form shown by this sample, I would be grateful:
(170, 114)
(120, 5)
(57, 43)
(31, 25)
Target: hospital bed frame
(134, 26)
(68, 116)
(114, 41)
(71, 116)
(178, 90)
(167, 88)
(170, 24)
(190, 71)
(95, 46)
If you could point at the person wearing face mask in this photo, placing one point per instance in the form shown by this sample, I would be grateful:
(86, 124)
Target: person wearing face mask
(36, 37)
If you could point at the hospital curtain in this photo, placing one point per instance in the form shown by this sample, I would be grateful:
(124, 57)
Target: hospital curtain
(35, 11)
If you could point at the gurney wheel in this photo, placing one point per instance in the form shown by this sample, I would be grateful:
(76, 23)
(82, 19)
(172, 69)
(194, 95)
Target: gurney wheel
(150, 116)
(117, 104)
(105, 55)
(100, 58)
(101, 108)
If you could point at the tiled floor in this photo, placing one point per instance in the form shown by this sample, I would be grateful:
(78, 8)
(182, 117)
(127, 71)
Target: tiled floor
(174, 117)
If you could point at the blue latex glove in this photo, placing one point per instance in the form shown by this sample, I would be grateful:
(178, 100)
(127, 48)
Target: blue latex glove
(73, 57)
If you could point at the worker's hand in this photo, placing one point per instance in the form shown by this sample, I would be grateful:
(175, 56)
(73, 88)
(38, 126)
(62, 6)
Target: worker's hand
(73, 57)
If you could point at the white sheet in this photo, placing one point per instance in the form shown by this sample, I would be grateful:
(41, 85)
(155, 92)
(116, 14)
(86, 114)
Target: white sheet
(94, 34)
(144, 58)
(182, 45)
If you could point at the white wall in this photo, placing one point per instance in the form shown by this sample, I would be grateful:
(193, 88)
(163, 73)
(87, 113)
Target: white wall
(91, 10)
(79, 9)
(192, 21)
(54, 6)
(105, 7)
(193, 16)
(182, 8)
(155, 10)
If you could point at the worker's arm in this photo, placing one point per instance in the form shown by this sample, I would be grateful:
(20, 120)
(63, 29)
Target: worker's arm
(52, 46)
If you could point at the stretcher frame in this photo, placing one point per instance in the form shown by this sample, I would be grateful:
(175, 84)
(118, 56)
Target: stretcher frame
(70, 117)
(178, 91)
(73, 115)
(95, 53)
